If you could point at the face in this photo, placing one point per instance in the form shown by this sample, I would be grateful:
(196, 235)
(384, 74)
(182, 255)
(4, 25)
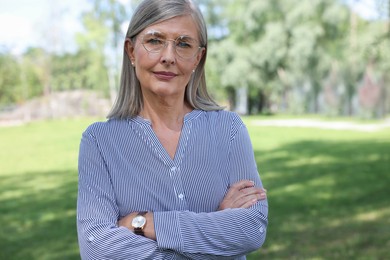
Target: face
(164, 73)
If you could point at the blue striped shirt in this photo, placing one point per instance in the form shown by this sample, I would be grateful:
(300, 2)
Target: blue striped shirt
(124, 168)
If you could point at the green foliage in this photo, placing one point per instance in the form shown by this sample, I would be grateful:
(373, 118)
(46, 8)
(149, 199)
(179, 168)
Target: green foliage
(327, 191)
(32, 69)
(92, 44)
(286, 54)
(279, 50)
(9, 79)
(99, 43)
(68, 71)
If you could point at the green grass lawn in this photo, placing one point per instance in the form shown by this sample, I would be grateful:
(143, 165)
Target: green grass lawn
(328, 191)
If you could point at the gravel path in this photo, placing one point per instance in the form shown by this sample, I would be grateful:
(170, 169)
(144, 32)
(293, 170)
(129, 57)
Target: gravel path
(334, 125)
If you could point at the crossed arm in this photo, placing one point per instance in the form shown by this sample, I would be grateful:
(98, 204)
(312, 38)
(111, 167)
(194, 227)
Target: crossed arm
(242, 194)
(235, 229)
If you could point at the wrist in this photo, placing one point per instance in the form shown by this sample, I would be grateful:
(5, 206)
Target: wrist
(138, 223)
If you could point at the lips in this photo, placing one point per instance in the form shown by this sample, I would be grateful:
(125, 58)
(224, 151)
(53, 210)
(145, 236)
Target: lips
(165, 75)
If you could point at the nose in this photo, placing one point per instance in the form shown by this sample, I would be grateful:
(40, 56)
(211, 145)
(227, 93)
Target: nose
(168, 54)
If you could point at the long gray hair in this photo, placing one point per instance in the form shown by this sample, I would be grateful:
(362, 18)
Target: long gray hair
(129, 101)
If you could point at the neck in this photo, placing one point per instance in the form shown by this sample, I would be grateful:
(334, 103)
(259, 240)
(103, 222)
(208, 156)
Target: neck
(163, 113)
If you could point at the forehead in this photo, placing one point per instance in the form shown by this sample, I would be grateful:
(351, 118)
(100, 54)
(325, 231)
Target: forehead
(180, 25)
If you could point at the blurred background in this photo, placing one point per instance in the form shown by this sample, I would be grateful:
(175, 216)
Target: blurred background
(311, 79)
(328, 57)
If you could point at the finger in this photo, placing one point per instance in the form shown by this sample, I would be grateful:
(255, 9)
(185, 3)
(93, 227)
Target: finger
(243, 184)
(252, 190)
(238, 196)
(249, 204)
(231, 193)
(246, 201)
(260, 193)
(238, 191)
(250, 193)
(262, 196)
(237, 187)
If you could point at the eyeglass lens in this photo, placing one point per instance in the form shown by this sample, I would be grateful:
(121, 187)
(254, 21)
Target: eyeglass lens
(185, 46)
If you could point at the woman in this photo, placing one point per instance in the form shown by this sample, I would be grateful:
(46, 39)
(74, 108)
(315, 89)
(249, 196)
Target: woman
(170, 175)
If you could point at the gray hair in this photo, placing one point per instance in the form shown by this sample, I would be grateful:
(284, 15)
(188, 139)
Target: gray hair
(129, 101)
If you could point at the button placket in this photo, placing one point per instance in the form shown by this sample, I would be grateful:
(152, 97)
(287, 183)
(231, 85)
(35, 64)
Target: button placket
(178, 186)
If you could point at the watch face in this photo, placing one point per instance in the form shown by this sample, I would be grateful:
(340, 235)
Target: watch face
(138, 221)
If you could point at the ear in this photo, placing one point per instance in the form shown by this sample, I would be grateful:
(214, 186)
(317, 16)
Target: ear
(129, 48)
(199, 56)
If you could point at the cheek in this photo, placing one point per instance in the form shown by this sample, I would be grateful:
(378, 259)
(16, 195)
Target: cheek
(143, 58)
(189, 66)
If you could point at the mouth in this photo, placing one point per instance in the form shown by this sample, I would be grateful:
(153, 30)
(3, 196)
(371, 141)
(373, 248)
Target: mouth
(164, 75)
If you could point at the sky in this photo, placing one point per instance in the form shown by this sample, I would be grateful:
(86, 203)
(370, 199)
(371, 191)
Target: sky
(24, 23)
(369, 9)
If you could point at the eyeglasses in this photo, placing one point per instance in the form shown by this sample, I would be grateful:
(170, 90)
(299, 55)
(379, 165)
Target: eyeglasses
(185, 46)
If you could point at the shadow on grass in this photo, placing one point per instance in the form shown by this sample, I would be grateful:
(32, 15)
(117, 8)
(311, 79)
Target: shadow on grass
(328, 200)
(38, 216)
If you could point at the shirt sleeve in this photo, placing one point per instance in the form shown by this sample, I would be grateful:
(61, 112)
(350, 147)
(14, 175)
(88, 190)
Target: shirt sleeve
(97, 213)
(227, 233)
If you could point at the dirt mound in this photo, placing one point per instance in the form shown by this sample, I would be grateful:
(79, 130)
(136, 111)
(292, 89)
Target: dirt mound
(77, 103)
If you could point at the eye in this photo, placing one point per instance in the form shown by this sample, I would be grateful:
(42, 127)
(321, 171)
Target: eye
(155, 41)
(184, 42)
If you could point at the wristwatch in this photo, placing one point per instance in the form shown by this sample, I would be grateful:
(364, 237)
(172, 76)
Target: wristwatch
(138, 223)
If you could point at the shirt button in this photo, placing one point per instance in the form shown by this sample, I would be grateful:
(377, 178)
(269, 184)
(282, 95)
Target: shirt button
(91, 238)
(261, 230)
(181, 196)
(173, 169)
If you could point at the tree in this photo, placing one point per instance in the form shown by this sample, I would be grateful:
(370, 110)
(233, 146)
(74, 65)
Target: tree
(317, 30)
(68, 71)
(10, 81)
(33, 72)
(100, 43)
(267, 39)
(249, 37)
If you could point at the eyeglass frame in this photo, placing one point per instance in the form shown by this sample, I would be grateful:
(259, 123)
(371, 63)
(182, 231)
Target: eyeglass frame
(166, 44)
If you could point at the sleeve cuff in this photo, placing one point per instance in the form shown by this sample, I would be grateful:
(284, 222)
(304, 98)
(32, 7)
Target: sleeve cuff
(167, 228)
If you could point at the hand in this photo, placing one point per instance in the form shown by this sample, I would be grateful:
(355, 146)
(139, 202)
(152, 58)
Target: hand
(148, 229)
(242, 194)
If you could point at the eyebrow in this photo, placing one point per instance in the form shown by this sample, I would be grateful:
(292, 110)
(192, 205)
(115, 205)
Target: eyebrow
(163, 35)
(153, 32)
